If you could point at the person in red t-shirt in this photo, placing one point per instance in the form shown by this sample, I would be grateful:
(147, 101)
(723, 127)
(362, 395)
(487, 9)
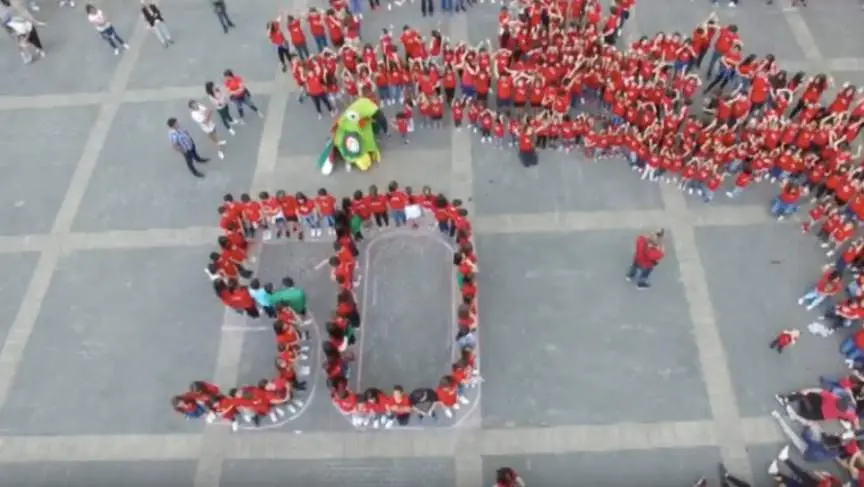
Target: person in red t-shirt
(786, 338)
(786, 202)
(829, 284)
(326, 204)
(649, 252)
(397, 200)
(239, 93)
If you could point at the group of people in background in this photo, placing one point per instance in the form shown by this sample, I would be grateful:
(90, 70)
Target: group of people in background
(19, 22)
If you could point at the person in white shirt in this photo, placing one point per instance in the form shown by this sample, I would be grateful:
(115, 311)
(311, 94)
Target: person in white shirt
(203, 116)
(27, 37)
(105, 29)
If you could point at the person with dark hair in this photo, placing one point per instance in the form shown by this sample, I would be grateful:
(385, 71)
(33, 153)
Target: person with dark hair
(182, 142)
(507, 477)
(649, 252)
(221, 11)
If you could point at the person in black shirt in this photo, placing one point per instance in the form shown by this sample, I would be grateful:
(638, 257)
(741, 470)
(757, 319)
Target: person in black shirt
(423, 402)
(222, 14)
(154, 20)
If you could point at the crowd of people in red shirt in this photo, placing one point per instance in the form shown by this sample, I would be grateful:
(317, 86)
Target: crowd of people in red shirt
(372, 407)
(282, 215)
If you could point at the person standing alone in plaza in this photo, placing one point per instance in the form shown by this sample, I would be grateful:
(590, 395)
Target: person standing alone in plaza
(182, 142)
(649, 252)
(203, 116)
(155, 21)
(105, 28)
(221, 11)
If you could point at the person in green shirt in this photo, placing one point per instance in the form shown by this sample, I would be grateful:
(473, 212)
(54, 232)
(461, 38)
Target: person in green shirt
(294, 297)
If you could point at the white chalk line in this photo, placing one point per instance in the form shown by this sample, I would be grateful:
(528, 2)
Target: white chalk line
(416, 233)
(312, 378)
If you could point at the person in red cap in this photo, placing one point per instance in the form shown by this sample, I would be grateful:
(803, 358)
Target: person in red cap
(649, 252)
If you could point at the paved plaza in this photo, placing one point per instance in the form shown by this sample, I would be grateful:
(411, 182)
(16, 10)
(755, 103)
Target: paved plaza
(587, 381)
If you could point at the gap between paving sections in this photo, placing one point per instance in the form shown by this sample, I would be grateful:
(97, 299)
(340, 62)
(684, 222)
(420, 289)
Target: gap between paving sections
(711, 355)
(433, 443)
(573, 221)
(22, 326)
(209, 469)
(468, 463)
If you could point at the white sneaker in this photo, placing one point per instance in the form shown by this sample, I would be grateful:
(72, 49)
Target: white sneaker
(455, 407)
(291, 409)
(448, 413)
(464, 400)
(126, 46)
(260, 114)
(304, 370)
(221, 154)
(232, 132)
(279, 412)
(116, 51)
(273, 416)
(773, 468)
(376, 424)
(223, 142)
(235, 426)
(784, 453)
(801, 301)
(307, 321)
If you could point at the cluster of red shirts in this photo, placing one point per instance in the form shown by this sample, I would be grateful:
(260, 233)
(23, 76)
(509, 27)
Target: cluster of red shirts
(268, 397)
(452, 221)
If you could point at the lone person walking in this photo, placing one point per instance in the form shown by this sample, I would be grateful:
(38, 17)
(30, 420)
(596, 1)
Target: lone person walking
(155, 21)
(182, 142)
(221, 12)
(649, 252)
(105, 29)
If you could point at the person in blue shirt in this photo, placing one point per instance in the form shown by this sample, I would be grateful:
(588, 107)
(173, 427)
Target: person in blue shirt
(262, 296)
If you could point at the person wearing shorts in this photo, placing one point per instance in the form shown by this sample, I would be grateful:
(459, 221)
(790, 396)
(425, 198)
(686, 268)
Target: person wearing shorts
(203, 116)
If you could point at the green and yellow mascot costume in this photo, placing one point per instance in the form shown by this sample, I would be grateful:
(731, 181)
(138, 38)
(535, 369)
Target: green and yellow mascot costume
(353, 137)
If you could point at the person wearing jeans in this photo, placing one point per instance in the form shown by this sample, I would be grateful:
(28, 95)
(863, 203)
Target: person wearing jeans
(239, 94)
(221, 12)
(155, 21)
(648, 253)
(220, 101)
(182, 142)
(105, 29)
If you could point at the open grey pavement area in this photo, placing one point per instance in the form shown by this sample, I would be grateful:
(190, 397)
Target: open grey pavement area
(108, 313)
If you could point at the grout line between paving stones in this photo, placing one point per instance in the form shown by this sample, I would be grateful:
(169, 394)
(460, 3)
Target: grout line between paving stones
(468, 444)
(209, 469)
(19, 333)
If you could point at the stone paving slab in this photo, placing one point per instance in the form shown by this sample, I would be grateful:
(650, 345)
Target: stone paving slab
(119, 333)
(778, 265)
(78, 60)
(403, 472)
(162, 193)
(202, 50)
(832, 28)
(17, 271)
(582, 344)
(33, 186)
(99, 474)
(408, 305)
(658, 468)
(561, 182)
